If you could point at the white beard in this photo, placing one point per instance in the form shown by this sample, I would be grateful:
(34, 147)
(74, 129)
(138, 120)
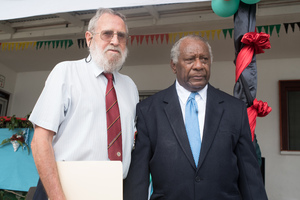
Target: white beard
(109, 65)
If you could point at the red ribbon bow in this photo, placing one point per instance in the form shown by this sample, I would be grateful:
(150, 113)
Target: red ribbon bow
(254, 42)
(260, 109)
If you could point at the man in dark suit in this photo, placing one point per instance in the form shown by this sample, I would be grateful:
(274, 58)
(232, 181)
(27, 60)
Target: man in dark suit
(216, 161)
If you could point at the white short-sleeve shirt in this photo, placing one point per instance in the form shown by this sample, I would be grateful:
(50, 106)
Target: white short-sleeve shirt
(72, 104)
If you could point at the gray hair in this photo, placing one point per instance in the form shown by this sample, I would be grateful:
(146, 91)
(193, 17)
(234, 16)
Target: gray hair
(93, 22)
(175, 52)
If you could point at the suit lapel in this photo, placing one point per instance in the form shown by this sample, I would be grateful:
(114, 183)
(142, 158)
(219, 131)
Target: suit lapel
(213, 115)
(174, 115)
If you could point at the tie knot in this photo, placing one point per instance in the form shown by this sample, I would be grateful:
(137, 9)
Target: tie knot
(109, 76)
(192, 95)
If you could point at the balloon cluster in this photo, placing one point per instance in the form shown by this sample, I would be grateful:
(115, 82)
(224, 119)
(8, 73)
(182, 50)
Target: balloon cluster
(226, 8)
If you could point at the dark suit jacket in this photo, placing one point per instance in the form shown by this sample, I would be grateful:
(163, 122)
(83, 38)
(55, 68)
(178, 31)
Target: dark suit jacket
(227, 168)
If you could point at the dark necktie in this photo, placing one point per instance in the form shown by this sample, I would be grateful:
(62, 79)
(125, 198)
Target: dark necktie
(114, 132)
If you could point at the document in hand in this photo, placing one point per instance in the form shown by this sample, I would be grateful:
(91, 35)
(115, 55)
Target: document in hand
(91, 179)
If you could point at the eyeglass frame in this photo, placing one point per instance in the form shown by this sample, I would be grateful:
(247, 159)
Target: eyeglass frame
(114, 33)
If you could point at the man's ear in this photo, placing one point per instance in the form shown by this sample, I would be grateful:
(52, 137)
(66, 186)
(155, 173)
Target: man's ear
(173, 67)
(88, 38)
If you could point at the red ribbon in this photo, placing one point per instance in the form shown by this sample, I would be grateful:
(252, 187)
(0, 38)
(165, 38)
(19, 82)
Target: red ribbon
(260, 109)
(254, 43)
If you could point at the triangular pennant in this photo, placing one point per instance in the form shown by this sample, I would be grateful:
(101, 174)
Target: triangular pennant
(138, 39)
(48, 43)
(141, 38)
(66, 43)
(132, 38)
(57, 42)
(298, 23)
(167, 38)
(218, 33)
(70, 43)
(38, 45)
(79, 43)
(162, 36)
(18, 46)
(23, 45)
(207, 33)
(278, 26)
(266, 29)
(293, 26)
(175, 37)
(202, 33)
(213, 34)
(180, 35)
(156, 38)
(225, 32)
(152, 38)
(53, 44)
(286, 26)
(147, 38)
(185, 33)
(271, 29)
(196, 32)
(3, 46)
(259, 28)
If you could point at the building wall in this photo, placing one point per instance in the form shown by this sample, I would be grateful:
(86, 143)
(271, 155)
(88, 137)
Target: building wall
(148, 65)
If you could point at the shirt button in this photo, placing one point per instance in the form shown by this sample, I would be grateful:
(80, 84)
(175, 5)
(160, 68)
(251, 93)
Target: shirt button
(118, 154)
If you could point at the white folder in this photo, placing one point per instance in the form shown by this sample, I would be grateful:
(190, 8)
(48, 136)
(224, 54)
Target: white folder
(92, 180)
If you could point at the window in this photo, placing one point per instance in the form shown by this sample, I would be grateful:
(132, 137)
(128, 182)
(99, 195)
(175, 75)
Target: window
(289, 94)
(4, 97)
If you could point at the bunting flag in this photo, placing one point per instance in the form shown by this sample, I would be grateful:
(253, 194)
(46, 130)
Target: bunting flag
(10, 46)
(167, 38)
(54, 44)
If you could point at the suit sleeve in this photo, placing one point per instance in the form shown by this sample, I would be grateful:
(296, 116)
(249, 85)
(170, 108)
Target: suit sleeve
(250, 180)
(137, 182)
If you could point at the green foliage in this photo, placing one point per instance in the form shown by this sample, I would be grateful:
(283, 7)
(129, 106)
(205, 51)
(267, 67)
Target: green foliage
(15, 122)
(12, 195)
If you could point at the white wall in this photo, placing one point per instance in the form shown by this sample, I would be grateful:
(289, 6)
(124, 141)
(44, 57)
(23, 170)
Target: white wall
(28, 88)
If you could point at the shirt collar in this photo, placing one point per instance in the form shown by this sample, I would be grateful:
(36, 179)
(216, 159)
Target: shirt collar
(98, 70)
(184, 94)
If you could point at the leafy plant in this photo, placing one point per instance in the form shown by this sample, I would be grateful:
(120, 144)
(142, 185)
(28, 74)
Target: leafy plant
(14, 122)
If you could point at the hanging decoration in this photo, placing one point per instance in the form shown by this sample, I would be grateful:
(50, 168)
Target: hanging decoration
(164, 38)
(225, 8)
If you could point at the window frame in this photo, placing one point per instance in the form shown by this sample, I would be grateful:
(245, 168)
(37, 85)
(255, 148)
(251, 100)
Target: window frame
(286, 86)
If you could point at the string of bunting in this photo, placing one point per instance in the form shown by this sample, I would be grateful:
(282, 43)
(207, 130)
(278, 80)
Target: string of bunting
(139, 39)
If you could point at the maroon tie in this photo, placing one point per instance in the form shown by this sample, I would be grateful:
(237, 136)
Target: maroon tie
(114, 132)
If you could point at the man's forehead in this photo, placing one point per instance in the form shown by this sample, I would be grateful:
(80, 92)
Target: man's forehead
(111, 22)
(194, 48)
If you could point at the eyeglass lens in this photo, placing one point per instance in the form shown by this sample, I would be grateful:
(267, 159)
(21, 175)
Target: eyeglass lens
(108, 35)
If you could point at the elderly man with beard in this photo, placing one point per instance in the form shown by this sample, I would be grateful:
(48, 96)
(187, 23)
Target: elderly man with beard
(70, 115)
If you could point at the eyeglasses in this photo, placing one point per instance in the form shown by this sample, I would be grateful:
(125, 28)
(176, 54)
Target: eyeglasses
(108, 35)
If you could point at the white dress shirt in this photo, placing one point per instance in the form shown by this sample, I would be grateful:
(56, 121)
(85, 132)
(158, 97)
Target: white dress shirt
(72, 104)
(184, 94)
